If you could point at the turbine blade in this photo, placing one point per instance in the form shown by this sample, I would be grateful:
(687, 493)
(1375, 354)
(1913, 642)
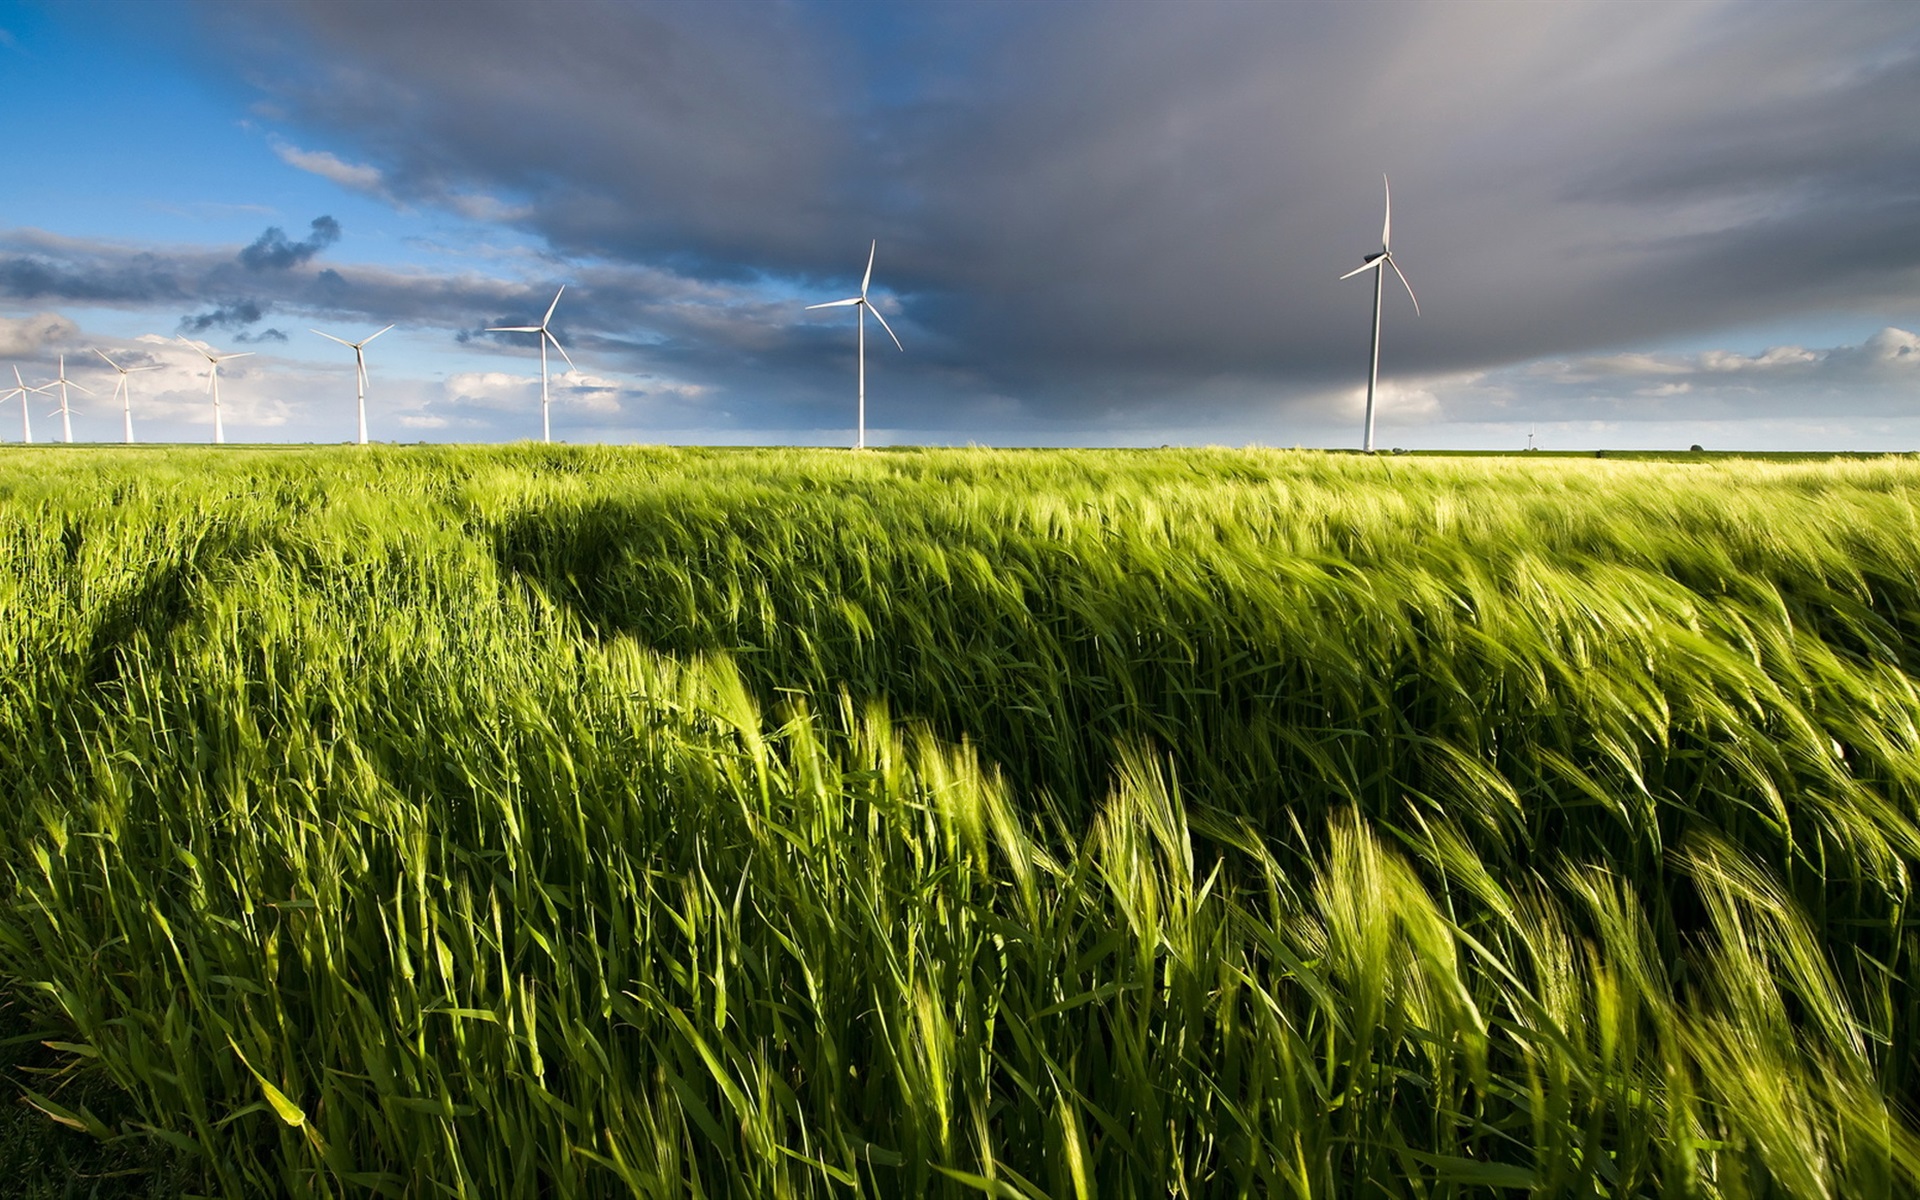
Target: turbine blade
(371, 336)
(562, 350)
(331, 338)
(1405, 284)
(554, 305)
(868, 277)
(81, 386)
(242, 354)
(108, 361)
(1386, 226)
(513, 329)
(836, 303)
(885, 326)
(1370, 266)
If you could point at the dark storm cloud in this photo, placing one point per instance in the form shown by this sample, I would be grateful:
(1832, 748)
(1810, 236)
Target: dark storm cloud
(655, 129)
(232, 314)
(272, 251)
(615, 316)
(38, 266)
(35, 265)
(1094, 205)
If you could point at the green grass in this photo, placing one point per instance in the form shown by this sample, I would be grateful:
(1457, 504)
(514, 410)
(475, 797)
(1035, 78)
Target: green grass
(591, 822)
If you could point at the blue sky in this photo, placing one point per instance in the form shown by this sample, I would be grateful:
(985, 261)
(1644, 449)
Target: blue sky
(1099, 223)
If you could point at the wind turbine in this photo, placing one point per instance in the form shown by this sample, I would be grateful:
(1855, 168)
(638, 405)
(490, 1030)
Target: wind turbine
(21, 390)
(360, 370)
(1378, 264)
(860, 302)
(66, 413)
(546, 335)
(213, 382)
(123, 391)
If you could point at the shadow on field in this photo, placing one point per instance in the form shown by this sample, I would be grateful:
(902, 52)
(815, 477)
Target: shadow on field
(991, 653)
(1604, 708)
(40, 1160)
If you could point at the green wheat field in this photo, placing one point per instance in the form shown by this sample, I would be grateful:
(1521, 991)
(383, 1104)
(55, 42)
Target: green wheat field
(605, 822)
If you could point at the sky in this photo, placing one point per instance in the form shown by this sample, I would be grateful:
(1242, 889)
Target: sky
(1643, 225)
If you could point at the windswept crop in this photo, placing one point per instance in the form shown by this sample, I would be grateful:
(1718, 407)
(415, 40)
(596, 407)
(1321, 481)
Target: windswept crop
(642, 822)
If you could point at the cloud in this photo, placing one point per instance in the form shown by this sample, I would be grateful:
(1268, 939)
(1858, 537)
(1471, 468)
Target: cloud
(493, 390)
(1093, 222)
(232, 314)
(355, 176)
(265, 335)
(271, 251)
(26, 337)
(1085, 207)
(1879, 376)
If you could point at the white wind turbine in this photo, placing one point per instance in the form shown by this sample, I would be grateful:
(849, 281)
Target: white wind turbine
(21, 390)
(213, 382)
(1378, 264)
(123, 391)
(66, 412)
(360, 370)
(860, 302)
(546, 335)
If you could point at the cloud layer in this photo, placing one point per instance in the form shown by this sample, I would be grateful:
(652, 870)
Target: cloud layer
(1088, 193)
(1090, 216)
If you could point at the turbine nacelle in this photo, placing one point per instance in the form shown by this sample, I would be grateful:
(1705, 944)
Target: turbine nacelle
(214, 359)
(123, 388)
(863, 306)
(1378, 263)
(359, 372)
(22, 389)
(546, 335)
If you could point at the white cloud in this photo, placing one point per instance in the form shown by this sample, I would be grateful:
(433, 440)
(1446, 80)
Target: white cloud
(477, 207)
(493, 390)
(1724, 361)
(369, 179)
(24, 337)
(1878, 376)
(356, 176)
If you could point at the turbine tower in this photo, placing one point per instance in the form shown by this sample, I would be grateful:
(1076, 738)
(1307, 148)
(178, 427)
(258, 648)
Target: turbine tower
(21, 390)
(123, 391)
(546, 335)
(213, 383)
(360, 370)
(66, 413)
(1378, 264)
(860, 302)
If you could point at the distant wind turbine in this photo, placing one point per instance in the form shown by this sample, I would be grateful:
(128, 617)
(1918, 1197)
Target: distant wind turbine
(1378, 264)
(546, 335)
(21, 390)
(213, 382)
(123, 392)
(360, 370)
(66, 413)
(860, 302)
